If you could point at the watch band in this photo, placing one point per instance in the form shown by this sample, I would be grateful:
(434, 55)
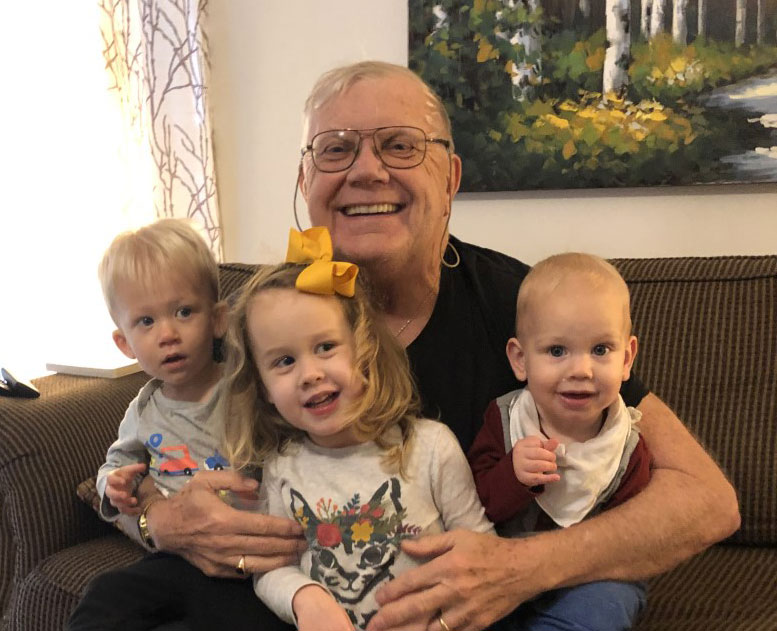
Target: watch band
(145, 535)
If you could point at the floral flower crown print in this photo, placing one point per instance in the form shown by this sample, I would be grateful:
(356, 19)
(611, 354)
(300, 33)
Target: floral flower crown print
(355, 523)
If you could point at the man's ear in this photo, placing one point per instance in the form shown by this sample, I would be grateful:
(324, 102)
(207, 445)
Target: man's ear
(220, 312)
(454, 177)
(517, 358)
(122, 344)
(629, 357)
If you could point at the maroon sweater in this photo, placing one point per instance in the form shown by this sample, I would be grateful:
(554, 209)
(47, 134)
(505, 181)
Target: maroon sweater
(504, 496)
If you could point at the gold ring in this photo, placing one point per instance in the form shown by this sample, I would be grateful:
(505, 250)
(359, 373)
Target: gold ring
(241, 565)
(443, 626)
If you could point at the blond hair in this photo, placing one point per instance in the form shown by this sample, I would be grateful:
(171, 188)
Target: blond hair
(546, 276)
(338, 80)
(253, 429)
(169, 245)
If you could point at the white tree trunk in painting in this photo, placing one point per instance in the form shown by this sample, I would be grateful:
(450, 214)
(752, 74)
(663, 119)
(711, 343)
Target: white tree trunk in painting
(739, 34)
(440, 17)
(679, 24)
(701, 19)
(657, 17)
(760, 28)
(527, 73)
(616, 57)
(644, 17)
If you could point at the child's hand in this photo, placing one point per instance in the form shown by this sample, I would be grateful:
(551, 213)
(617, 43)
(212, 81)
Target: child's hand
(534, 461)
(120, 488)
(317, 610)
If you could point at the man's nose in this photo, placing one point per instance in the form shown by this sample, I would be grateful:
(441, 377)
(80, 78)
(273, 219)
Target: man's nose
(367, 167)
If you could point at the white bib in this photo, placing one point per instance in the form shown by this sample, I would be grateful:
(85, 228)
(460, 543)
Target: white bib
(586, 469)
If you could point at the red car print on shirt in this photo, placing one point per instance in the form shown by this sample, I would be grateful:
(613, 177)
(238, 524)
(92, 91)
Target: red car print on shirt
(183, 465)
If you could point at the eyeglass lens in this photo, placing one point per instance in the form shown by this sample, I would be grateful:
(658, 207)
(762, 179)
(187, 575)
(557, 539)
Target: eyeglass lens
(397, 147)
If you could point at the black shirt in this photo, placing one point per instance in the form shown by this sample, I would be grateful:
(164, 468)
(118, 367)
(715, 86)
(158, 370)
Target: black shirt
(459, 359)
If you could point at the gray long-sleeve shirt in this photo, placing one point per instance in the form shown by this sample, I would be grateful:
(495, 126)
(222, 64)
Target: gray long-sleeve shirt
(175, 438)
(355, 512)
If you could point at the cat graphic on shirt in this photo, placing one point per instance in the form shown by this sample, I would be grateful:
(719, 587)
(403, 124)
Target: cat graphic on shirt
(354, 547)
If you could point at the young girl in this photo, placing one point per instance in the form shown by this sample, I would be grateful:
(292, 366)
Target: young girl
(320, 397)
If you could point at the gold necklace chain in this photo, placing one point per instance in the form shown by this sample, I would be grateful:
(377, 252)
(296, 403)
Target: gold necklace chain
(415, 315)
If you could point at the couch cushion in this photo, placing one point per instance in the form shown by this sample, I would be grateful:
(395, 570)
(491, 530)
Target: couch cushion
(48, 594)
(726, 588)
(47, 447)
(708, 347)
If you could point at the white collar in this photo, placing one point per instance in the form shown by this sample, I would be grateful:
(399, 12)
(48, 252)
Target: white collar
(586, 469)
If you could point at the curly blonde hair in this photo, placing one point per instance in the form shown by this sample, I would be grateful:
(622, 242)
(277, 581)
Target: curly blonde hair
(253, 430)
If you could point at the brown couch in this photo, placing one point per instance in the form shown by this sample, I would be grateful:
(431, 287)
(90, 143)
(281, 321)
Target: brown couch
(708, 333)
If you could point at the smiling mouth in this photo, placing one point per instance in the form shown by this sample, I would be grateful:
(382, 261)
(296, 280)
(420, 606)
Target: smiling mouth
(321, 400)
(370, 209)
(578, 396)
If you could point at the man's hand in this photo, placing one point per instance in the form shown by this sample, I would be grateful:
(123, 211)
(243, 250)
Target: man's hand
(120, 488)
(211, 535)
(534, 460)
(317, 610)
(473, 579)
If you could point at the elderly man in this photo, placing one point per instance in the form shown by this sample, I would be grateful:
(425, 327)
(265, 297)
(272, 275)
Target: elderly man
(378, 170)
(454, 321)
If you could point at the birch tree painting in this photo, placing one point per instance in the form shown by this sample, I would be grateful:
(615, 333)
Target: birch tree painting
(601, 93)
(616, 57)
(679, 25)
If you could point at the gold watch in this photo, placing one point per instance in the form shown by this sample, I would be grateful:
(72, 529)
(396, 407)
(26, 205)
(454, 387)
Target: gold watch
(145, 535)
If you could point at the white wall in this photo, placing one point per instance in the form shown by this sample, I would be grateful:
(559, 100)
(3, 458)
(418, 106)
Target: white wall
(265, 57)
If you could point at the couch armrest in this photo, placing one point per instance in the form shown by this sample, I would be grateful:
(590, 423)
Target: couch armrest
(47, 447)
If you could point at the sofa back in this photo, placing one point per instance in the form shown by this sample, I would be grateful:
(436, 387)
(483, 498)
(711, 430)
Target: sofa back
(708, 347)
(707, 329)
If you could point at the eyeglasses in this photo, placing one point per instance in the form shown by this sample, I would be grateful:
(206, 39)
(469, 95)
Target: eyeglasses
(398, 147)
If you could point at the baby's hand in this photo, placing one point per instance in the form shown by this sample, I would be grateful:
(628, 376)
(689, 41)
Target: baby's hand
(534, 461)
(119, 488)
(317, 610)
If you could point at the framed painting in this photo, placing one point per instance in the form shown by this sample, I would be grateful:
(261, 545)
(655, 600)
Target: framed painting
(558, 94)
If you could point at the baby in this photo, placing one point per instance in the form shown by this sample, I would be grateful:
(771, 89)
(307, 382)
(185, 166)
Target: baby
(161, 287)
(566, 447)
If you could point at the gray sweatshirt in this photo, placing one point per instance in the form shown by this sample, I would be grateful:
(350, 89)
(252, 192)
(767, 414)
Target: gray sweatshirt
(355, 513)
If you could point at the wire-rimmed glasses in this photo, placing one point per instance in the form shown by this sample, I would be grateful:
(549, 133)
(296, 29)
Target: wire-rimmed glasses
(398, 147)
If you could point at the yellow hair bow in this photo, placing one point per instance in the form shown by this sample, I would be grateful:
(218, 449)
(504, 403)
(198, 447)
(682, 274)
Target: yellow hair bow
(323, 275)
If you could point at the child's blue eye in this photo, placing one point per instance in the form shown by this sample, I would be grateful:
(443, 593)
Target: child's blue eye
(284, 361)
(184, 312)
(556, 350)
(325, 347)
(600, 350)
(146, 321)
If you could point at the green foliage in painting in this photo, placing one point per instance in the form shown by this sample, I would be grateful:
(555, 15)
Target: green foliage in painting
(569, 135)
(664, 70)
